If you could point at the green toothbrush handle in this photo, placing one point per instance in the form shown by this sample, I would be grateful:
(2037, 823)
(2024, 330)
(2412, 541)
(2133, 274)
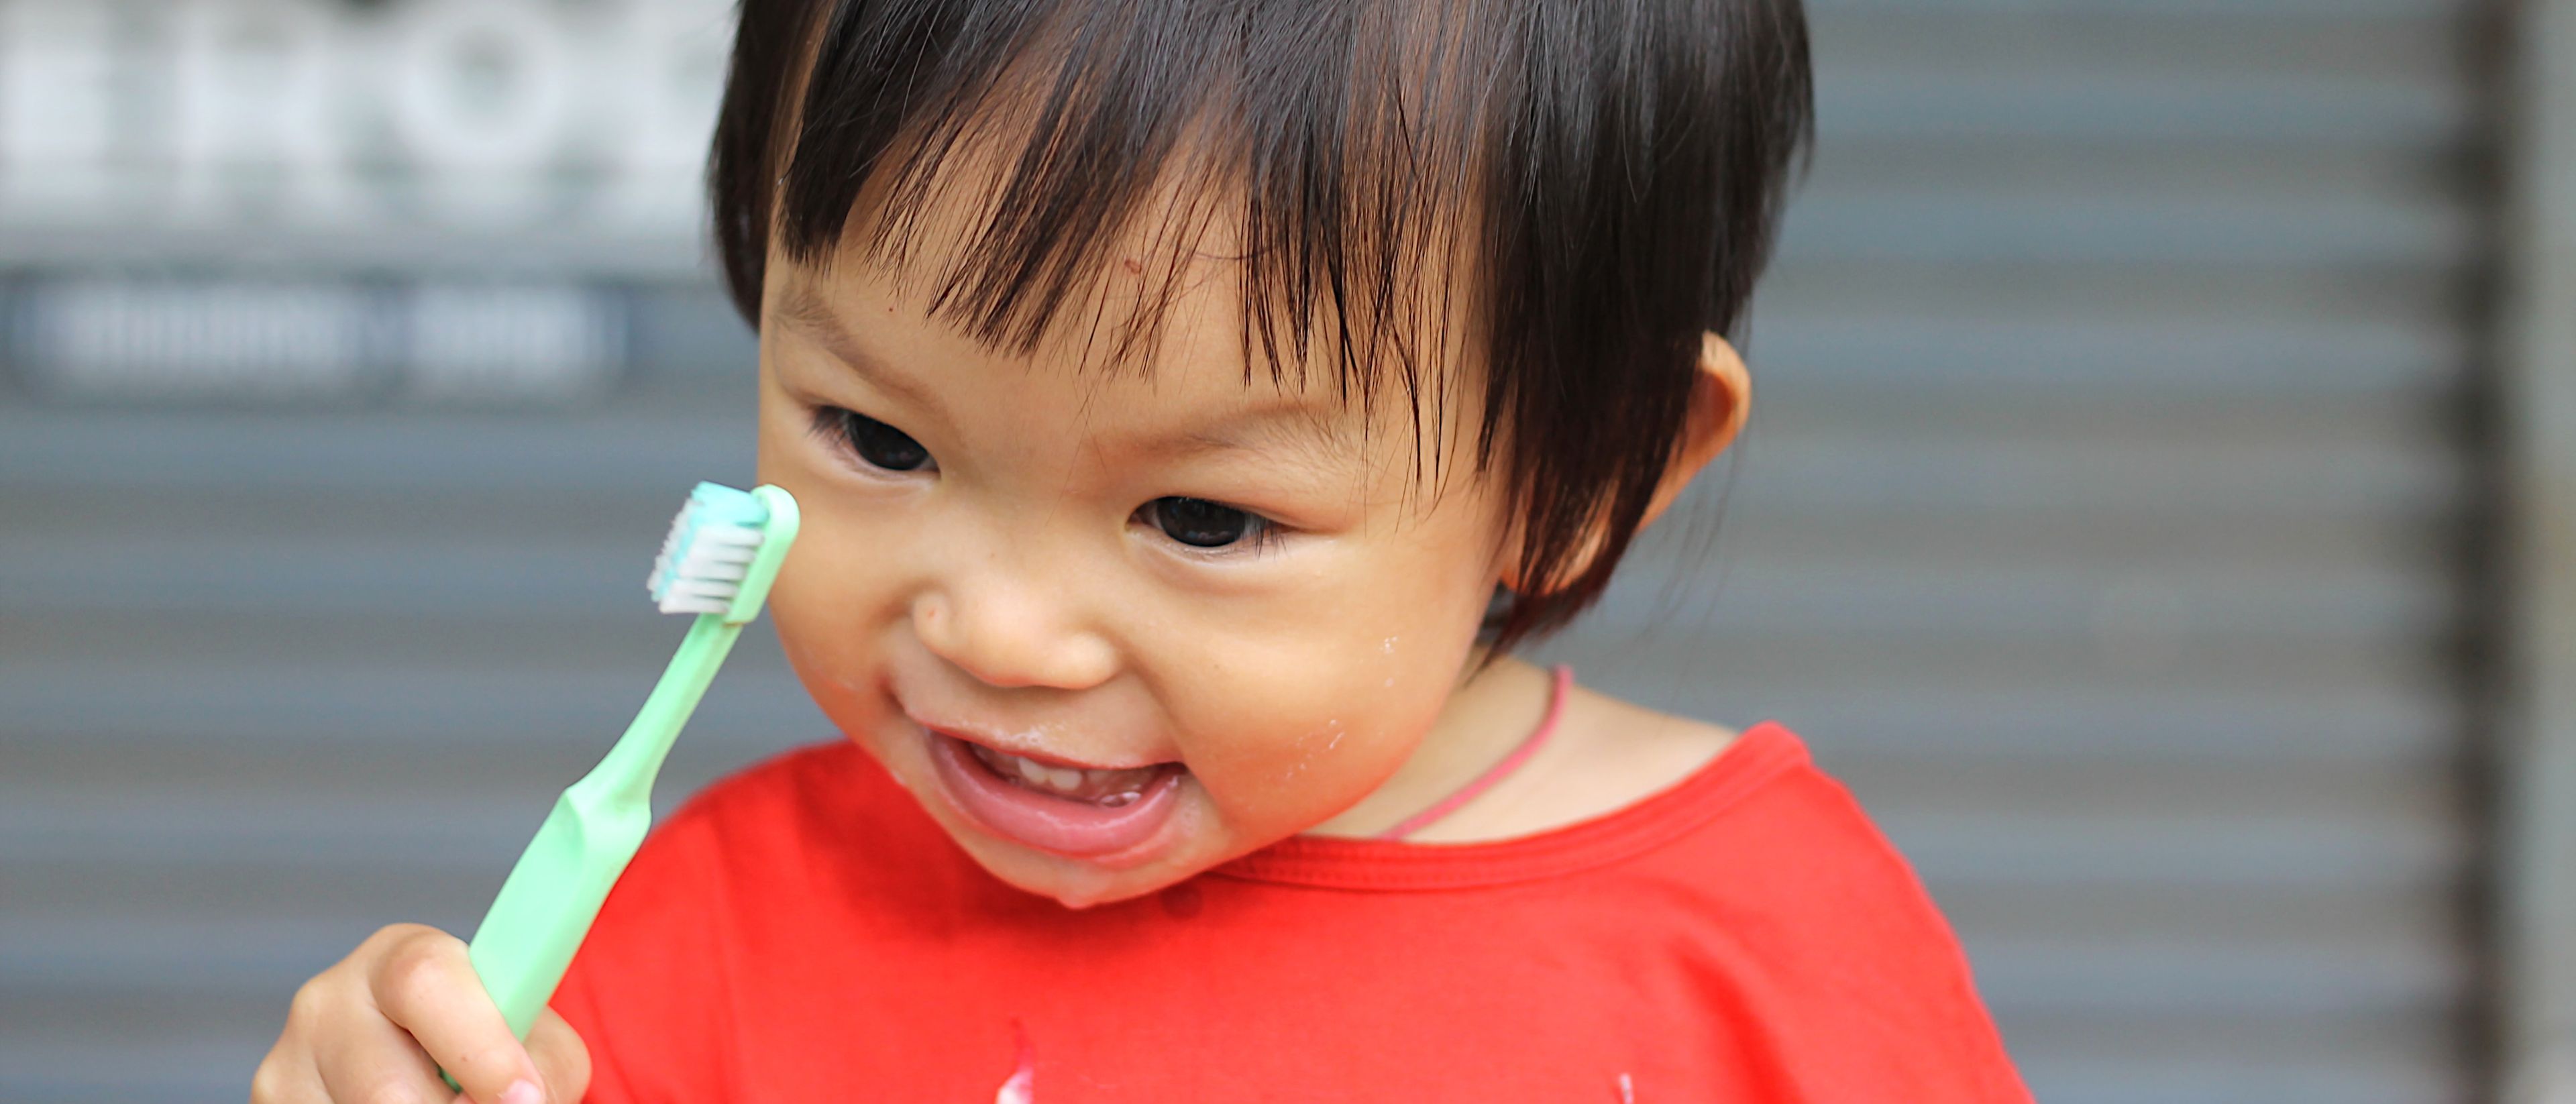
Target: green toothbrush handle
(527, 940)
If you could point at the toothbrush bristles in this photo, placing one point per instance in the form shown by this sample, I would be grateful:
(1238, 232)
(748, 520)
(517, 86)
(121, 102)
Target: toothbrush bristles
(701, 565)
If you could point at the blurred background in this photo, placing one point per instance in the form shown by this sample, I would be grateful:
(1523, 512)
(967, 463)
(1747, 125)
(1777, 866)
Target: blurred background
(2160, 509)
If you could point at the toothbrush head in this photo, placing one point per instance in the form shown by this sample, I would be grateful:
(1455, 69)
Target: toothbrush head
(724, 551)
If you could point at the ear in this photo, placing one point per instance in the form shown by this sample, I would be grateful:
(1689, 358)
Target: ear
(1720, 398)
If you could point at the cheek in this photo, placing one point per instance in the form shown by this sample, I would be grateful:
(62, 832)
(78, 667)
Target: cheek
(833, 601)
(1299, 721)
(825, 642)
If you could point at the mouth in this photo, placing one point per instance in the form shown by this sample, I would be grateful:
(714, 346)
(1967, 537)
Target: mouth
(1077, 811)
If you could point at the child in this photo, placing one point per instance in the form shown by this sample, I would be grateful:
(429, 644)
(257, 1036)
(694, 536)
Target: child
(1192, 402)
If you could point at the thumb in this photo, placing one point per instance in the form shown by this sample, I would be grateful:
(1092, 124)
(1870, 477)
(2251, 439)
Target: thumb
(562, 1059)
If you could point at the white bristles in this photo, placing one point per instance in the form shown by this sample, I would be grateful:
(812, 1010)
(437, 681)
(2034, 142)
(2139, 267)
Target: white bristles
(670, 544)
(701, 566)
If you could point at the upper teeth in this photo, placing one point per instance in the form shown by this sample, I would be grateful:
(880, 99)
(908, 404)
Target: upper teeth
(1069, 781)
(1062, 778)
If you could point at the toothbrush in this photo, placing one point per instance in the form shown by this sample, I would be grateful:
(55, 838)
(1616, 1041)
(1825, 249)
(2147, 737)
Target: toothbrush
(722, 555)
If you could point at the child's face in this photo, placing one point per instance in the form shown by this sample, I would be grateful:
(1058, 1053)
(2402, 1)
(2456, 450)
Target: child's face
(1230, 602)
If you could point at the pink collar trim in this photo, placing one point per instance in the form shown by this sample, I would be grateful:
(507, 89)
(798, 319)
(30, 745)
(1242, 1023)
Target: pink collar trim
(1564, 679)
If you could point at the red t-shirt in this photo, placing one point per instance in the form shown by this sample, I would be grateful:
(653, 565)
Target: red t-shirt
(804, 934)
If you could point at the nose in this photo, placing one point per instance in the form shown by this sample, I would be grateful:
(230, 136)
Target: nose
(1004, 629)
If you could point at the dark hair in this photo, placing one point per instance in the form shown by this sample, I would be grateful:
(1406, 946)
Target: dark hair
(1612, 171)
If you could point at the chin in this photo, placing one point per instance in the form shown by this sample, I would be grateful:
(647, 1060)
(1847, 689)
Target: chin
(1080, 889)
(1073, 883)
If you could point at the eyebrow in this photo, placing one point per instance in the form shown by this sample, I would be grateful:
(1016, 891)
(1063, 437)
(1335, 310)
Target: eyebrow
(1284, 427)
(803, 309)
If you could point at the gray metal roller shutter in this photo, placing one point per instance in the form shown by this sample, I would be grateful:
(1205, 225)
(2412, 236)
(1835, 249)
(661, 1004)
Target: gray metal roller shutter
(2101, 524)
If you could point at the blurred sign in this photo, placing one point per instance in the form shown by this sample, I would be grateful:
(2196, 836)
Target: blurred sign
(415, 133)
(253, 341)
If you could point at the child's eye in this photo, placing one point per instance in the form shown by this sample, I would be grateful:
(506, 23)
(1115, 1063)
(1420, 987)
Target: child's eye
(879, 444)
(1200, 523)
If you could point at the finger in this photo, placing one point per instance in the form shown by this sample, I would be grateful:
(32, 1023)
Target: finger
(288, 1074)
(372, 1061)
(561, 1056)
(426, 985)
(282, 1079)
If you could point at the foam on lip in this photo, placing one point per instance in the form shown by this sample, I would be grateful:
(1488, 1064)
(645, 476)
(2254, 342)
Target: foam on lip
(1032, 743)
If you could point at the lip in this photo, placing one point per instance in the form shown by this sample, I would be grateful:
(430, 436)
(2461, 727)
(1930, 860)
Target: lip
(1062, 826)
(996, 743)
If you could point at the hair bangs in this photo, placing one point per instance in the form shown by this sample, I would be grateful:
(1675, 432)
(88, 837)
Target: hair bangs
(1325, 152)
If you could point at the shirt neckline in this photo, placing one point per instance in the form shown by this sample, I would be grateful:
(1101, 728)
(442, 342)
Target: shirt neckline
(1762, 753)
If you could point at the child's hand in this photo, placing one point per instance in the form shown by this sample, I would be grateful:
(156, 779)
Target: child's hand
(377, 1028)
